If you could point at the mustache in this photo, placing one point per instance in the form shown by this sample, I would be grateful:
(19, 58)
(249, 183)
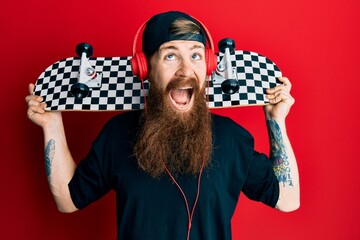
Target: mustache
(181, 82)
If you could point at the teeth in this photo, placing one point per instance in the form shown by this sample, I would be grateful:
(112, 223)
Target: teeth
(180, 99)
(181, 105)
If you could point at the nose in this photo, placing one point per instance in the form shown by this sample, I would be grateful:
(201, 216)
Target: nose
(185, 69)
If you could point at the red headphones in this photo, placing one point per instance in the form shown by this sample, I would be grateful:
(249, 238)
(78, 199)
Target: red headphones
(139, 62)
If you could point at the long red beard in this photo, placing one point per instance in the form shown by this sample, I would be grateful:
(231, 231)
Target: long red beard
(182, 141)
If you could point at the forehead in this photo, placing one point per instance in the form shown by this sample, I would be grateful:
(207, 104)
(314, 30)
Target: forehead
(181, 45)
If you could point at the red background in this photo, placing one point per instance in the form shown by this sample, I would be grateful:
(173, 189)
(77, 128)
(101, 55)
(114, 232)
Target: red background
(315, 43)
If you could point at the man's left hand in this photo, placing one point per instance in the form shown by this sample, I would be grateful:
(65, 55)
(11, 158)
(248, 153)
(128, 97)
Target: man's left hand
(280, 100)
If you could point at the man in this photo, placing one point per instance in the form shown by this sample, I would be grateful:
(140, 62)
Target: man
(176, 168)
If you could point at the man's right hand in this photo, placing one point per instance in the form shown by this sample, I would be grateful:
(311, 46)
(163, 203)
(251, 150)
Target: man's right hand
(36, 110)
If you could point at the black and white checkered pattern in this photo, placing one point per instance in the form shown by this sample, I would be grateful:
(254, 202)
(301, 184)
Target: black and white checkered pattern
(255, 73)
(120, 90)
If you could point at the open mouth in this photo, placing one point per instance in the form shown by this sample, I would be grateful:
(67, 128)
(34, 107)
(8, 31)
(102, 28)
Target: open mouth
(181, 98)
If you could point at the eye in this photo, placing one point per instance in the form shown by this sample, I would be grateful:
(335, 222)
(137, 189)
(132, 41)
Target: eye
(170, 57)
(196, 56)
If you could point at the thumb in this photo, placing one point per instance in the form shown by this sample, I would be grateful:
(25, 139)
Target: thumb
(31, 88)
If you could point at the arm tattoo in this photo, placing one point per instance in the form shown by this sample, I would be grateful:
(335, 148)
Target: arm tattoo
(49, 156)
(278, 154)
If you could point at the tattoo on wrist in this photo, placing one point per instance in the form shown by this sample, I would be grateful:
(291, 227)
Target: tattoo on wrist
(49, 156)
(278, 154)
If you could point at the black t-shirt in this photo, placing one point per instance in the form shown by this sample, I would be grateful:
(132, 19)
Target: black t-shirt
(153, 208)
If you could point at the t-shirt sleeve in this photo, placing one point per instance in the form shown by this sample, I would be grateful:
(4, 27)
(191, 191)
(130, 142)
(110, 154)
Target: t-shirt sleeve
(88, 183)
(95, 174)
(261, 183)
(257, 178)
(92, 177)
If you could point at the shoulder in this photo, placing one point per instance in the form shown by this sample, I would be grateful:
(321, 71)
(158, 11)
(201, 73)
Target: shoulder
(121, 126)
(233, 147)
(228, 127)
(124, 119)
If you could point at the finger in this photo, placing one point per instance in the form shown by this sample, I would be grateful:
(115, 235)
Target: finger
(278, 96)
(36, 109)
(30, 113)
(31, 98)
(272, 98)
(286, 83)
(31, 88)
(276, 89)
(285, 86)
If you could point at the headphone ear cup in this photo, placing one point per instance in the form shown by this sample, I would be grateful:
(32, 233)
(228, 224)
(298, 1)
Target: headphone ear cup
(211, 61)
(139, 65)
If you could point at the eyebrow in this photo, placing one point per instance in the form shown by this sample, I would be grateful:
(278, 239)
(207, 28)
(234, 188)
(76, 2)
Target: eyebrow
(195, 46)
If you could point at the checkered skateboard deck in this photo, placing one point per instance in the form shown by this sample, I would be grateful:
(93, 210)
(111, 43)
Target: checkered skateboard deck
(121, 90)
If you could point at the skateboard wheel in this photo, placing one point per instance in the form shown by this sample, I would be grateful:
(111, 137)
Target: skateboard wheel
(227, 43)
(79, 90)
(84, 48)
(230, 86)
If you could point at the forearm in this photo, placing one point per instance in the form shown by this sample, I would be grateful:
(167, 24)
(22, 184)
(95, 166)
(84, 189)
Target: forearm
(285, 166)
(60, 165)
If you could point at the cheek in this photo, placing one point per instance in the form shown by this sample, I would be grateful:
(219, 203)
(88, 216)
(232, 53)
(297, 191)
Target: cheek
(159, 78)
(163, 77)
(161, 81)
(202, 74)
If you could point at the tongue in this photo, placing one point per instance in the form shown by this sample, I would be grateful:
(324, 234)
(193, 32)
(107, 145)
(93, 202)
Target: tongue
(180, 96)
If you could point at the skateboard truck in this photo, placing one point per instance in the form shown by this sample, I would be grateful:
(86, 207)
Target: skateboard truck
(225, 74)
(88, 78)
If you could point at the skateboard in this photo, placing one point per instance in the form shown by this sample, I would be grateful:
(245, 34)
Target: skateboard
(108, 84)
